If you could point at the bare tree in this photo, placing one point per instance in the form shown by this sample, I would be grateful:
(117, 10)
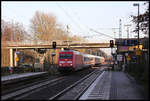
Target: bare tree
(43, 26)
(12, 31)
(143, 20)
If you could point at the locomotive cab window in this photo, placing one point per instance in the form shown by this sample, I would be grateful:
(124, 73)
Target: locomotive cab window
(65, 56)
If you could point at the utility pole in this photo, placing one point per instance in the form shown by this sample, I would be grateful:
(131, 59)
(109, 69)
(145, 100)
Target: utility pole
(120, 30)
(67, 35)
(137, 4)
(128, 25)
(138, 26)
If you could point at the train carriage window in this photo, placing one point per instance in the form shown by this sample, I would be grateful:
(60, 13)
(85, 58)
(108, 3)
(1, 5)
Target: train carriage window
(65, 56)
(37, 60)
(86, 59)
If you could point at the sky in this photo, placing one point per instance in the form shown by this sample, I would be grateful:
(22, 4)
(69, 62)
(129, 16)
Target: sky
(80, 16)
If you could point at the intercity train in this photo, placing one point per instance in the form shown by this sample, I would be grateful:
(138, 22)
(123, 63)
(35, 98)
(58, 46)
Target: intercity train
(71, 60)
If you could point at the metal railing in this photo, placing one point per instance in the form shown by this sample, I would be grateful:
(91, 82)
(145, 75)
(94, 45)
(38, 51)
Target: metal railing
(60, 42)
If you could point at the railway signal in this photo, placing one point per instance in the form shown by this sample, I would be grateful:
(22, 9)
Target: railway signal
(111, 43)
(54, 45)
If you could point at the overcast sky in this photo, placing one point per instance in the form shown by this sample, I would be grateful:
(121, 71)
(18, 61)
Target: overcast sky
(80, 16)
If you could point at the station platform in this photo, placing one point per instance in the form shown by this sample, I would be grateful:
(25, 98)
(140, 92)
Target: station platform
(113, 85)
(15, 77)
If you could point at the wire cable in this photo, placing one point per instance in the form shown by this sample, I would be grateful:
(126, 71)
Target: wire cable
(69, 16)
(102, 34)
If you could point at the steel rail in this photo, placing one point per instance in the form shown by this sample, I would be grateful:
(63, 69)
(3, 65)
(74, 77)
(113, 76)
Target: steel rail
(28, 89)
(55, 97)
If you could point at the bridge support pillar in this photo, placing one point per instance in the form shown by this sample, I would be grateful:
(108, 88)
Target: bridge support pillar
(11, 58)
(15, 56)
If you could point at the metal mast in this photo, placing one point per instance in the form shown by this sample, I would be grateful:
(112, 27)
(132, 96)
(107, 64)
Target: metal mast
(120, 29)
(128, 25)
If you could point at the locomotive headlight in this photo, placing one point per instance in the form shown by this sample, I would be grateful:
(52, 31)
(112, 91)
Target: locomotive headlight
(60, 64)
(71, 64)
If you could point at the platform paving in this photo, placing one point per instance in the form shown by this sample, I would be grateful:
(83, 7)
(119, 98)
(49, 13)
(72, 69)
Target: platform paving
(113, 85)
(122, 88)
(100, 89)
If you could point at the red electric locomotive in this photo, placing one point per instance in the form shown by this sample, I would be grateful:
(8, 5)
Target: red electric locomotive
(70, 60)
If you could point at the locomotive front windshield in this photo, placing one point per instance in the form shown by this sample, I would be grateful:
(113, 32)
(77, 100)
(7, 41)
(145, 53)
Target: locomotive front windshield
(65, 56)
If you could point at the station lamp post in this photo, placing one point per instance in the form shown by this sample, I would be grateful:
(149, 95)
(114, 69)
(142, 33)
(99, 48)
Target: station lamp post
(138, 57)
(137, 4)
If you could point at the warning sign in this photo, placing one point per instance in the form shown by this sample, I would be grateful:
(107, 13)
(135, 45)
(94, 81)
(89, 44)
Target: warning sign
(128, 58)
(138, 52)
(119, 57)
(16, 59)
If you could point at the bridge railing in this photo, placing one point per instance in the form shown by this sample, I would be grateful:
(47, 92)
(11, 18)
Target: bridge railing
(26, 43)
(60, 42)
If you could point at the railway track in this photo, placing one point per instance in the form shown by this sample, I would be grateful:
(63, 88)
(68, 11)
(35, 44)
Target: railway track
(27, 90)
(26, 86)
(19, 84)
(74, 91)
